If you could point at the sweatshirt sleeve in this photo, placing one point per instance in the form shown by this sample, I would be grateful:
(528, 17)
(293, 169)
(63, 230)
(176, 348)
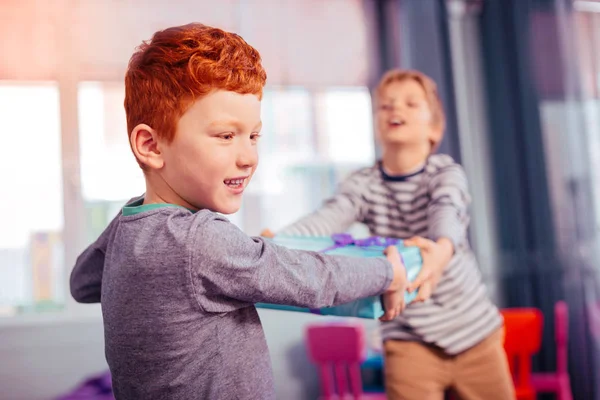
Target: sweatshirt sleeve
(448, 210)
(228, 265)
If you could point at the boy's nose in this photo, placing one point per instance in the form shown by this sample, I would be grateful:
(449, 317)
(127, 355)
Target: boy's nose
(247, 157)
(397, 107)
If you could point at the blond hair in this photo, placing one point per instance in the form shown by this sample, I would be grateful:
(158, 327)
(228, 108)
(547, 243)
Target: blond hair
(438, 117)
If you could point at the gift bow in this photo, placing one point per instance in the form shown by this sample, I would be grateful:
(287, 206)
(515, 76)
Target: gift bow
(345, 239)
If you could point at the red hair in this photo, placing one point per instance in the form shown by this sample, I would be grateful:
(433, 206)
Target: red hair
(179, 65)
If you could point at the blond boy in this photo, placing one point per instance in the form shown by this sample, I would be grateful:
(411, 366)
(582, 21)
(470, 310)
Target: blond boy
(451, 337)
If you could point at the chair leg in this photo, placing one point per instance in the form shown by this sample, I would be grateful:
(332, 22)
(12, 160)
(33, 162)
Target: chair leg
(564, 391)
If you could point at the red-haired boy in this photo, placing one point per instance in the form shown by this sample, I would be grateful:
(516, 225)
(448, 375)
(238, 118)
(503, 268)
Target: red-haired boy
(177, 281)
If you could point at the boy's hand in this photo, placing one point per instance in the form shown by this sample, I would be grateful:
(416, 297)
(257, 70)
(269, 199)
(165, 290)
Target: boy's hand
(436, 255)
(267, 233)
(393, 298)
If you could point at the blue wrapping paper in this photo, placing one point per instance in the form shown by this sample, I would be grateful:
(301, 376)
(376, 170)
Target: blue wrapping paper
(346, 245)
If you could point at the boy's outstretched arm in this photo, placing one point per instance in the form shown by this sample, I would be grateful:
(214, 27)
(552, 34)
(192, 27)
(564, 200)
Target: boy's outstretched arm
(229, 266)
(448, 220)
(448, 210)
(336, 214)
(86, 277)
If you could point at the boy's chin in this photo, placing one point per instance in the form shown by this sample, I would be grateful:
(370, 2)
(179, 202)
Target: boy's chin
(398, 140)
(393, 141)
(229, 209)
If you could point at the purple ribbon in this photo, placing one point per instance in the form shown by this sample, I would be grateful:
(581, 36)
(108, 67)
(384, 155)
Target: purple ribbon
(345, 239)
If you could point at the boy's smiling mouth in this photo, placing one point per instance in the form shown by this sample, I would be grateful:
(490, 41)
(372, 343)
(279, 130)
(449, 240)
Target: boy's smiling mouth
(237, 183)
(396, 122)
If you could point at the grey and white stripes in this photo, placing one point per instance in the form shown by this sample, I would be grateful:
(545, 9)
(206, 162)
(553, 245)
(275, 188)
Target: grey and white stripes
(432, 203)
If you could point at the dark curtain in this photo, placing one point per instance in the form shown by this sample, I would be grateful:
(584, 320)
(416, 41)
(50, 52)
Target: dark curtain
(548, 239)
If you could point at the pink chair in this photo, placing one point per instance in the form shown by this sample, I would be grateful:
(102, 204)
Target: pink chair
(557, 382)
(338, 350)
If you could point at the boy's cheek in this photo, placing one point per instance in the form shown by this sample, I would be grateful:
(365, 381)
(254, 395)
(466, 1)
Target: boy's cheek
(424, 116)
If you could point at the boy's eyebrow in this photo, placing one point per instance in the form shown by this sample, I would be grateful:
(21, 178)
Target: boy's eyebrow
(231, 122)
(224, 122)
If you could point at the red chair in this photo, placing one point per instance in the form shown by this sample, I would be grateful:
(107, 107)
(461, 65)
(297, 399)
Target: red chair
(338, 349)
(557, 382)
(522, 339)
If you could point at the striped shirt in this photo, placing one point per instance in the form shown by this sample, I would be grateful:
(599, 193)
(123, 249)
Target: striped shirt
(431, 203)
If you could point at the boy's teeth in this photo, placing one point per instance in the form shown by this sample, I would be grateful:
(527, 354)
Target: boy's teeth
(234, 181)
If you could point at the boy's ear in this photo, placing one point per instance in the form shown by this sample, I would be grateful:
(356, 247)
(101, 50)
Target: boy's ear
(436, 135)
(144, 143)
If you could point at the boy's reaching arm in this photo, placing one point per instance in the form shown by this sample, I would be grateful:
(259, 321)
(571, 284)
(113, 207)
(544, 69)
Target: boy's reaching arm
(228, 265)
(86, 277)
(336, 214)
(448, 220)
(448, 209)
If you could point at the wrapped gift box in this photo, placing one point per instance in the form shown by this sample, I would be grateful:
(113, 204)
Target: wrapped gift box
(346, 245)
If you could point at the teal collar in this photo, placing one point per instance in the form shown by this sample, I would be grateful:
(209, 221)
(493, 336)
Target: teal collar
(138, 207)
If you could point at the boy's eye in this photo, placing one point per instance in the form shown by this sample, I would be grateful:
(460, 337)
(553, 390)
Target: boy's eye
(255, 136)
(386, 107)
(227, 136)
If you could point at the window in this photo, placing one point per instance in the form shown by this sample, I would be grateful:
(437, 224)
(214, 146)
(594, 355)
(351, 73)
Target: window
(305, 151)
(582, 116)
(32, 270)
(109, 174)
(348, 125)
(310, 110)
(312, 139)
(302, 153)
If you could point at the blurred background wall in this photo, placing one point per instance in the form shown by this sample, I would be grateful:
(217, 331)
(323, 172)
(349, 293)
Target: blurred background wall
(519, 81)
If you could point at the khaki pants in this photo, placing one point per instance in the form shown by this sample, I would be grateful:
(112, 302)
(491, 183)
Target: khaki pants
(414, 371)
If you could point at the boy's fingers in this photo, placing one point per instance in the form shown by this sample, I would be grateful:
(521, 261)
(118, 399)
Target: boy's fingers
(400, 308)
(418, 241)
(412, 241)
(397, 311)
(267, 233)
(386, 310)
(424, 292)
(387, 316)
(390, 315)
(423, 276)
(393, 304)
(391, 251)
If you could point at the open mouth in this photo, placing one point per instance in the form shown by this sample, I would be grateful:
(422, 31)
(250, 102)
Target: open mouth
(396, 122)
(235, 183)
